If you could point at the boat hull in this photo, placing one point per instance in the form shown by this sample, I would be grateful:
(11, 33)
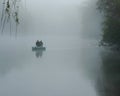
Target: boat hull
(38, 48)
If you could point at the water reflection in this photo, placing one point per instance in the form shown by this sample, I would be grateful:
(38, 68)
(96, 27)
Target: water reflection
(39, 53)
(110, 74)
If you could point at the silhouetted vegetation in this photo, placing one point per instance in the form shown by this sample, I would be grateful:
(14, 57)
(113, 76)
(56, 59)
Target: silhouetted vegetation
(111, 25)
(10, 9)
(111, 74)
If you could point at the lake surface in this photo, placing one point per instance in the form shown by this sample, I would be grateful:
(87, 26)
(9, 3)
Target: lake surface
(70, 65)
(66, 68)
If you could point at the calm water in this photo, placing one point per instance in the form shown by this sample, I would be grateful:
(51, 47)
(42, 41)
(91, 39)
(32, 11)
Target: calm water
(70, 65)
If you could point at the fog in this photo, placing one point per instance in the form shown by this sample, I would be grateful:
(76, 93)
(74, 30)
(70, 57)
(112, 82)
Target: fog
(70, 65)
(62, 18)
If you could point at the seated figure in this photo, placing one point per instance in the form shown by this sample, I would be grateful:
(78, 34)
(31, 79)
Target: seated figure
(39, 43)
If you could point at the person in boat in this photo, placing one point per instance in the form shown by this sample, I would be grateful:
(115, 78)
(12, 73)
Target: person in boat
(39, 43)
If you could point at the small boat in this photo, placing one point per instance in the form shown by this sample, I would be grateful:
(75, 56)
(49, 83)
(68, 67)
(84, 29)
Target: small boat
(38, 48)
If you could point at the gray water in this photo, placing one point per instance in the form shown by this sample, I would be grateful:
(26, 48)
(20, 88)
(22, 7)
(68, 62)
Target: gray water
(71, 63)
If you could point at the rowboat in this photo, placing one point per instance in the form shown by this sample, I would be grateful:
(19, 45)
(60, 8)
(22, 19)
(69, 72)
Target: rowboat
(38, 48)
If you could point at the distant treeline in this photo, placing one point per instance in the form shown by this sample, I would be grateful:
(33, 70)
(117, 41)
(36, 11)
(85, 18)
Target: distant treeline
(111, 25)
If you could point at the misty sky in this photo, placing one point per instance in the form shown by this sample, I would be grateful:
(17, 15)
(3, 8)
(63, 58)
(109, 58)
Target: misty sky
(62, 17)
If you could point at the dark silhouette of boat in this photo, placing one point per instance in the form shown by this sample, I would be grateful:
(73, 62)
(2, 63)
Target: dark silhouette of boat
(38, 48)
